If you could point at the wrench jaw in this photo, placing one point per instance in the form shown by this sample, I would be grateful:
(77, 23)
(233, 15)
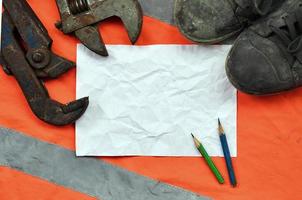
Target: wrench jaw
(92, 39)
(83, 20)
(58, 114)
(132, 30)
(131, 15)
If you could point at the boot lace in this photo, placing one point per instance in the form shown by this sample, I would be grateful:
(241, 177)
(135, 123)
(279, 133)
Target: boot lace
(253, 8)
(289, 31)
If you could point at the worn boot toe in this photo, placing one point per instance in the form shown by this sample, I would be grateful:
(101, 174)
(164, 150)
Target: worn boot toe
(256, 65)
(206, 21)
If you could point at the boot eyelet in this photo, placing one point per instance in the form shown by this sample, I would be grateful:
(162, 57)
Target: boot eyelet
(284, 16)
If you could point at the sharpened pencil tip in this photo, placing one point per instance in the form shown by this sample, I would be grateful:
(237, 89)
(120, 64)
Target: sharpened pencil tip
(220, 128)
(196, 142)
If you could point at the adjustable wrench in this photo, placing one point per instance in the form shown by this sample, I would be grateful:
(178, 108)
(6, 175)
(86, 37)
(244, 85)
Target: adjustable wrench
(81, 17)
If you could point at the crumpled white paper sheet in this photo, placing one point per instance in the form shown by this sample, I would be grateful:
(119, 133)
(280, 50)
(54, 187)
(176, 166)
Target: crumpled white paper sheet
(147, 100)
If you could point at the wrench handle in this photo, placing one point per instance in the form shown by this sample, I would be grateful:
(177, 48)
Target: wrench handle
(12, 53)
(29, 26)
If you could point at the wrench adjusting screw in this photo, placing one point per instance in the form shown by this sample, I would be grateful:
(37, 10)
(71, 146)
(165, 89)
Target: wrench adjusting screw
(78, 6)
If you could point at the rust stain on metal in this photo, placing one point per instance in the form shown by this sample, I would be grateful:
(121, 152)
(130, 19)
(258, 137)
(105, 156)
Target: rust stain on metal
(86, 19)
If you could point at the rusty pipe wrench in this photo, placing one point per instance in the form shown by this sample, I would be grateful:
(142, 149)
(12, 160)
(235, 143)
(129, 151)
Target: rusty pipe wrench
(81, 17)
(26, 54)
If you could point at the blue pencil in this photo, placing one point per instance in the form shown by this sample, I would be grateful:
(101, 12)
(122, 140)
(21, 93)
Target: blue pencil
(227, 155)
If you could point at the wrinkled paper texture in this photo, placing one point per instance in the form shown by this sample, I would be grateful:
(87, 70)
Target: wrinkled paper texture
(147, 100)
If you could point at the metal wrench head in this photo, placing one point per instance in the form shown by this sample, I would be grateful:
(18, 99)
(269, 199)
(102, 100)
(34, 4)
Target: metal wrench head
(29, 64)
(81, 16)
(41, 104)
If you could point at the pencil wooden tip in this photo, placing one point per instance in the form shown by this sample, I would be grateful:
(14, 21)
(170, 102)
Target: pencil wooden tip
(220, 128)
(196, 142)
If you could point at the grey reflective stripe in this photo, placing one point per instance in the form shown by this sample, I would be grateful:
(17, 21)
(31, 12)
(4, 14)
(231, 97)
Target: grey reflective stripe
(87, 175)
(160, 9)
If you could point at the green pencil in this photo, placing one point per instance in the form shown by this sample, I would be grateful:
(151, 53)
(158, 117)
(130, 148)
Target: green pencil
(208, 160)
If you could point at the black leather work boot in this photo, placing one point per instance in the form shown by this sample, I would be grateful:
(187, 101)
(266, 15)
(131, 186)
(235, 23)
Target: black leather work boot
(267, 57)
(212, 21)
